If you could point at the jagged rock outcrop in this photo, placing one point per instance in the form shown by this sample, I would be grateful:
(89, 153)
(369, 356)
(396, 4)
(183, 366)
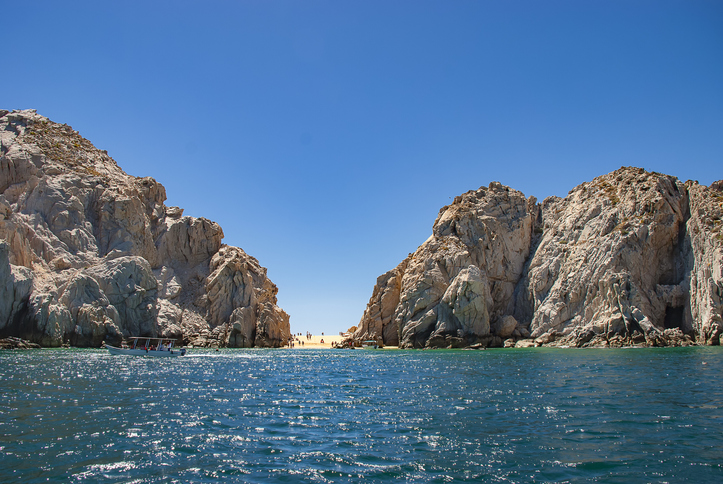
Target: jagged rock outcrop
(91, 254)
(611, 262)
(12, 343)
(629, 258)
(705, 232)
(461, 280)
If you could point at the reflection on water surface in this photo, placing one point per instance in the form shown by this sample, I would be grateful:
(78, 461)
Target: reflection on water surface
(537, 415)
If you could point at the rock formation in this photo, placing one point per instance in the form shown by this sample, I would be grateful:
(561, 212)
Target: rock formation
(92, 254)
(12, 343)
(629, 258)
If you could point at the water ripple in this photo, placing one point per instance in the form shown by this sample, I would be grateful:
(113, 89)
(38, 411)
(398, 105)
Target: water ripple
(540, 415)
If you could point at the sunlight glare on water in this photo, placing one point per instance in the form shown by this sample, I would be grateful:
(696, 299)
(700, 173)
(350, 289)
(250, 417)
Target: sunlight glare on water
(535, 415)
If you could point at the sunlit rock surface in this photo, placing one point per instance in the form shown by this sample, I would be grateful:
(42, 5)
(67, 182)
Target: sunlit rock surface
(631, 258)
(92, 254)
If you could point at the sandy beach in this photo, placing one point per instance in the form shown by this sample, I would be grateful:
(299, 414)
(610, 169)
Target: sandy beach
(316, 341)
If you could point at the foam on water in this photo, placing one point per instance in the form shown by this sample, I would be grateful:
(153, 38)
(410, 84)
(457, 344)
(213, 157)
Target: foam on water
(537, 415)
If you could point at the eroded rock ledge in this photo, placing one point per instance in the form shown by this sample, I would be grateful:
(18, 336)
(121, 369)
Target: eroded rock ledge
(90, 254)
(12, 343)
(631, 258)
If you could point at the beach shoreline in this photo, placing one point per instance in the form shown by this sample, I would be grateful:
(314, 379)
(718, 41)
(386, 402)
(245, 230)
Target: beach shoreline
(314, 342)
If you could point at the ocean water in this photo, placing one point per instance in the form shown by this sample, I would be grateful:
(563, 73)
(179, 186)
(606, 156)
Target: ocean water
(519, 415)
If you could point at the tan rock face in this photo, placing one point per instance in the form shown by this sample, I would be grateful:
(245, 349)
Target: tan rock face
(92, 254)
(629, 258)
(610, 260)
(239, 292)
(461, 279)
(705, 230)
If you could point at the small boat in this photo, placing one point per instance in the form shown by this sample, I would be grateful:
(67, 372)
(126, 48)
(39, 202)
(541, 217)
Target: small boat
(145, 346)
(369, 345)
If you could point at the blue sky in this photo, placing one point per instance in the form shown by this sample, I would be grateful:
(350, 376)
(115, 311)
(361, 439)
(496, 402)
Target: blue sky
(325, 136)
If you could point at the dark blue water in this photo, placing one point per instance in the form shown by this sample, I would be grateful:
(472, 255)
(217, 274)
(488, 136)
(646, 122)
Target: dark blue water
(532, 415)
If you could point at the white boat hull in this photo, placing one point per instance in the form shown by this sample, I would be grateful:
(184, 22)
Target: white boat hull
(142, 352)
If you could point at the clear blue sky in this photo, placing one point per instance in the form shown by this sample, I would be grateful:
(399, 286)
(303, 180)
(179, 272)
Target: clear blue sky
(324, 136)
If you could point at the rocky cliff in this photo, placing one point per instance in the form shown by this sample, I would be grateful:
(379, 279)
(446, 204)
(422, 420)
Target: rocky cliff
(629, 258)
(91, 254)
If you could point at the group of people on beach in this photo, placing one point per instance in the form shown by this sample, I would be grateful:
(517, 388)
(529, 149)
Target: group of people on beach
(296, 339)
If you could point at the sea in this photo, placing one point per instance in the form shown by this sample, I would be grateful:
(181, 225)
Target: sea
(370, 416)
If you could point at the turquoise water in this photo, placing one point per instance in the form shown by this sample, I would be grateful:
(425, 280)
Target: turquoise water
(533, 415)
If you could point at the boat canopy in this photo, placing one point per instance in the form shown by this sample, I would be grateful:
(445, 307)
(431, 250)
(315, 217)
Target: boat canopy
(135, 341)
(152, 339)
